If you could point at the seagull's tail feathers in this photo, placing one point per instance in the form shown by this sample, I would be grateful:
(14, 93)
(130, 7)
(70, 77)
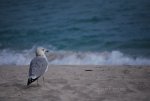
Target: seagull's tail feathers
(30, 80)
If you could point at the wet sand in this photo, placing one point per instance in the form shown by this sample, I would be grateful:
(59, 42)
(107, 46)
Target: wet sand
(77, 83)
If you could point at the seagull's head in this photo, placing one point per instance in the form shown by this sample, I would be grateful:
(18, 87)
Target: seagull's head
(40, 51)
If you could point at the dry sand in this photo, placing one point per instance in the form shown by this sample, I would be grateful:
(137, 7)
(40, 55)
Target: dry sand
(77, 83)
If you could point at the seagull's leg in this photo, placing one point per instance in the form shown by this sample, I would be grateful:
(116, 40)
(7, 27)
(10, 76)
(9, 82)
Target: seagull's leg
(37, 82)
(43, 80)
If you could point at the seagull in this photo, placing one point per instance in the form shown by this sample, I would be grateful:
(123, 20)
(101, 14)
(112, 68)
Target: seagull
(38, 65)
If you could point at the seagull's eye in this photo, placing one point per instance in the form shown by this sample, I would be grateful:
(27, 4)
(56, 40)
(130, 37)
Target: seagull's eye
(42, 49)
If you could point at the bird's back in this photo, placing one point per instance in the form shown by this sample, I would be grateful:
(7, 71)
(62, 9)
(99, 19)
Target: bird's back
(37, 67)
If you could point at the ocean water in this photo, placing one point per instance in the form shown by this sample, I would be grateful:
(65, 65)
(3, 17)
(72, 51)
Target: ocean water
(77, 32)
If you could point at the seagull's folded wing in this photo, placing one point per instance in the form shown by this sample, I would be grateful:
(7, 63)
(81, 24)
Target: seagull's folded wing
(37, 66)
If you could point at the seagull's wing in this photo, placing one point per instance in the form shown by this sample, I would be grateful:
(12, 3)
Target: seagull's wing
(37, 67)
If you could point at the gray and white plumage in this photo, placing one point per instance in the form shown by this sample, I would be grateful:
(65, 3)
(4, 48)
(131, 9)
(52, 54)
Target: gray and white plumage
(38, 65)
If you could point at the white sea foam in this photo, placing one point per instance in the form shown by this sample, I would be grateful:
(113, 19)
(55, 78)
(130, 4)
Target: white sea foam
(17, 58)
(72, 58)
(103, 58)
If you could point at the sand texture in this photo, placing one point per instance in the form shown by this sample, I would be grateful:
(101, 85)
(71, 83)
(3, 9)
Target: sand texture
(77, 83)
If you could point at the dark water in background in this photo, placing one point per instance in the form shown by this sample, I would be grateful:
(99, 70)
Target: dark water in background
(76, 31)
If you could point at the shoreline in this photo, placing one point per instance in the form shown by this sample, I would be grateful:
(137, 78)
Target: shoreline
(77, 83)
(82, 66)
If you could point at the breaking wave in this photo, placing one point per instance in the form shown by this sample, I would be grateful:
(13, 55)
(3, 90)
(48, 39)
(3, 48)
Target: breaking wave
(8, 57)
(90, 58)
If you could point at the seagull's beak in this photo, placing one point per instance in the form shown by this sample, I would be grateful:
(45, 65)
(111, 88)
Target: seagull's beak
(47, 51)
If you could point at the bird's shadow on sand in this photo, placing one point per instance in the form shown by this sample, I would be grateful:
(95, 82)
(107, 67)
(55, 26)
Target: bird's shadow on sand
(19, 86)
(23, 86)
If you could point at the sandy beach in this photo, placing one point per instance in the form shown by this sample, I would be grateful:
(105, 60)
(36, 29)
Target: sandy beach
(77, 83)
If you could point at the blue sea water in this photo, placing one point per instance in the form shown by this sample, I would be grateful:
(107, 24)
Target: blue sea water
(76, 31)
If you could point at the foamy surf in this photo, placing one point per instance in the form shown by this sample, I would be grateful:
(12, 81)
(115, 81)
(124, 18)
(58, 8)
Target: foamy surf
(8, 57)
(90, 58)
